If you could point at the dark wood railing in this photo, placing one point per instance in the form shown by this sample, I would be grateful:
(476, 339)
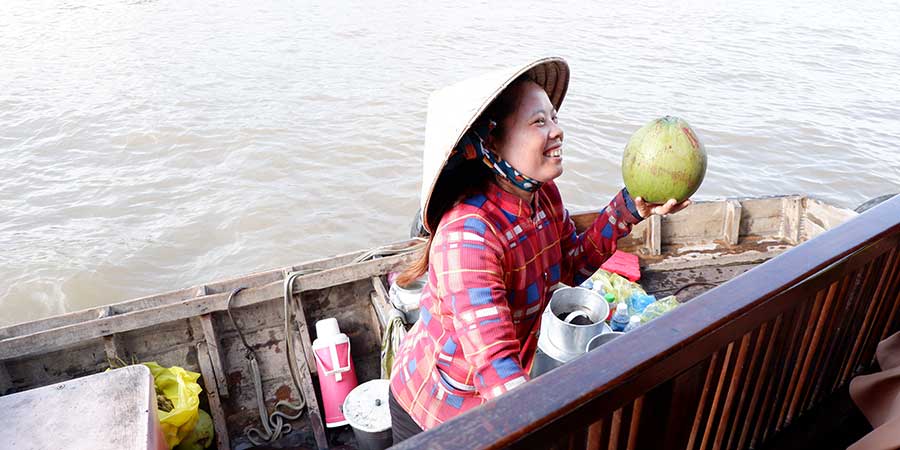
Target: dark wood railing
(727, 370)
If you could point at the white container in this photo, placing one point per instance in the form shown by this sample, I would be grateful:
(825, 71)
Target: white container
(367, 411)
(406, 298)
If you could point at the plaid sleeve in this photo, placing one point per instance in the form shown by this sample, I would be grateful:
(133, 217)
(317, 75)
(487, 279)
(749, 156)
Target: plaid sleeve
(583, 254)
(471, 281)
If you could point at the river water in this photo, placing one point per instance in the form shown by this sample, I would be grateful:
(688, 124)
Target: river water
(147, 146)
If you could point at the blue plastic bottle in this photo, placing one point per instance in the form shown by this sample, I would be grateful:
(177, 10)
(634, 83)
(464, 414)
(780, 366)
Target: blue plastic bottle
(633, 322)
(620, 319)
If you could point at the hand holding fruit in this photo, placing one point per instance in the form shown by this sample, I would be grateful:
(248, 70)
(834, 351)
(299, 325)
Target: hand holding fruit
(672, 206)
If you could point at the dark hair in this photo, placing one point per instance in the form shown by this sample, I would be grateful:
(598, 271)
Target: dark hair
(469, 178)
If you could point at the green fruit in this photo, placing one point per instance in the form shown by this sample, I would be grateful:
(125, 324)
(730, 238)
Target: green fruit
(202, 435)
(663, 160)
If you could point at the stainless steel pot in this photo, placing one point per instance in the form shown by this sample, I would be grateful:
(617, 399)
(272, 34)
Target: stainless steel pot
(572, 318)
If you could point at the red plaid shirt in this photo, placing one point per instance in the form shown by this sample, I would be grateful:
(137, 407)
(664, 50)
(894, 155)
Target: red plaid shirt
(492, 262)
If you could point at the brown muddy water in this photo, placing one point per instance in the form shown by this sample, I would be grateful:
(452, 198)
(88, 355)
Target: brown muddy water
(147, 146)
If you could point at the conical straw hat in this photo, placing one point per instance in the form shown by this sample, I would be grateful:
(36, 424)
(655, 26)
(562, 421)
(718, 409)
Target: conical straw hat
(453, 109)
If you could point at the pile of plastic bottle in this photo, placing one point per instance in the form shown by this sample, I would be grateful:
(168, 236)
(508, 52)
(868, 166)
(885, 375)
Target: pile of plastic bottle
(629, 305)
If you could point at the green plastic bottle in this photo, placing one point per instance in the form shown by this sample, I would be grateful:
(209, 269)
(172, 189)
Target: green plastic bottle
(611, 299)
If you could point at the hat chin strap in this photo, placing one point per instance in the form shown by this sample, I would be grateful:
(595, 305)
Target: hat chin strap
(509, 173)
(472, 146)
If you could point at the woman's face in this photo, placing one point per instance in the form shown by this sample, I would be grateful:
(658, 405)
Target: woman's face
(532, 140)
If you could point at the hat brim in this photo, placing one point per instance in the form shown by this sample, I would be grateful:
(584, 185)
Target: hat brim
(453, 110)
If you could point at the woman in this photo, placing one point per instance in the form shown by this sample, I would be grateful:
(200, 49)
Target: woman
(500, 238)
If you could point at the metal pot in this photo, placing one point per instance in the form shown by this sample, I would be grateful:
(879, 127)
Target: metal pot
(406, 298)
(601, 339)
(572, 318)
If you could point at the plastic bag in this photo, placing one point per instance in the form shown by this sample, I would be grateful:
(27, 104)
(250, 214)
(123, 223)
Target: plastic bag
(615, 284)
(179, 387)
(658, 308)
(201, 436)
(638, 302)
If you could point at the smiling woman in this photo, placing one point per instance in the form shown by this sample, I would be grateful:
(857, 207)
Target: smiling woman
(500, 239)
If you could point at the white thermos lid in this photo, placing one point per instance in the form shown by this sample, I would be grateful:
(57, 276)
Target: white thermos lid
(327, 328)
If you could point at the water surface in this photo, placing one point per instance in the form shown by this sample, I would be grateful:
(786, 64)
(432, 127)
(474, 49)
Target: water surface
(148, 146)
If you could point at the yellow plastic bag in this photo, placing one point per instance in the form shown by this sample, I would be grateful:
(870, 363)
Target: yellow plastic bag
(615, 284)
(180, 387)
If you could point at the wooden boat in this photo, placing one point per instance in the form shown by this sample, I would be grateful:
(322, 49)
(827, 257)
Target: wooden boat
(726, 370)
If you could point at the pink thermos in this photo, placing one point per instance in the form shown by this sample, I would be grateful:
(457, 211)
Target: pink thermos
(337, 375)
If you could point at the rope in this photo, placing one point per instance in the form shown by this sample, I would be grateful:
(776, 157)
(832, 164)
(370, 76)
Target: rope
(275, 424)
(390, 250)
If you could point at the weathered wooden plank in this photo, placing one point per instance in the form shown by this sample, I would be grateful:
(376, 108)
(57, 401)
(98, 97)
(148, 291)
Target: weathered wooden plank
(211, 385)
(67, 335)
(821, 217)
(701, 222)
(380, 302)
(85, 358)
(86, 315)
(111, 346)
(691, 282)
(653, 236)
(308, 391)
(680, 262)
(5, 381)
(762, 217)
(731, 224)
(212, 343)
(299, 313)
(793, 211)
(250, 280)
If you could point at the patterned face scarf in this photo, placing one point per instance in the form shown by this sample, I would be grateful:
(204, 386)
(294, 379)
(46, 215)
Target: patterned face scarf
(472, 146)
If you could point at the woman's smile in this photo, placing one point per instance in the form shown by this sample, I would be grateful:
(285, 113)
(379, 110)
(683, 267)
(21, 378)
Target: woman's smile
(554, 152)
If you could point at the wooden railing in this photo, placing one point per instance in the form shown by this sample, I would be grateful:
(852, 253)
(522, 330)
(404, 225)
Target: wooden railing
(727, 370)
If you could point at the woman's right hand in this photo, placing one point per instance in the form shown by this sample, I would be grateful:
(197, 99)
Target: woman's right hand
(672, 206)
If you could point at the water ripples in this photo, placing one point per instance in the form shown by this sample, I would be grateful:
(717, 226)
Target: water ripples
(152, 145)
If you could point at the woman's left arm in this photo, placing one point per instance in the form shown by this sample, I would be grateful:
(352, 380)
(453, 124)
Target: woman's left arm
(583, 254)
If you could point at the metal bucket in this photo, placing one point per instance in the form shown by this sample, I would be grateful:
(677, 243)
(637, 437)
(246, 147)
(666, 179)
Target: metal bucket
(602, 339)
(574, 316)
(406, 298)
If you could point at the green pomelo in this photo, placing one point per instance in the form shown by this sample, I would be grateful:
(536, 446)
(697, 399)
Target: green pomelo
(202, 435)
(663, 160)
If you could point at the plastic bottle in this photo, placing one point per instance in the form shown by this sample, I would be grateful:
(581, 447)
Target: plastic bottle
(620, 319)
(633, 322)
(588, 284)
(611, 299)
